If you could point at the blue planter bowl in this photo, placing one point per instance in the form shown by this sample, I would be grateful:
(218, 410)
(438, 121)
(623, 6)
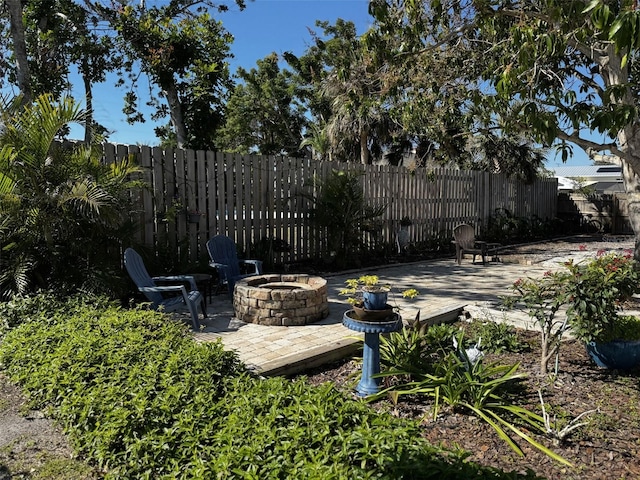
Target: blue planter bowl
(619, 354)
(375, 300)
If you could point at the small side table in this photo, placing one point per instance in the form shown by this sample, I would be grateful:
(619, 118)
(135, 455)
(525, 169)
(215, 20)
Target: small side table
(205, 285)
(492, 249)
(371, 351)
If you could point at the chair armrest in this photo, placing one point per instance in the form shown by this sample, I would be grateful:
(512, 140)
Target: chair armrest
(178, 278)
(165, 288)
(257, 265)
(169, 288)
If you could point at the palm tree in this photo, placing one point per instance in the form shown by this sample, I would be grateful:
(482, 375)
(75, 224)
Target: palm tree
(318, 140)
(357, 113)
(61, 209)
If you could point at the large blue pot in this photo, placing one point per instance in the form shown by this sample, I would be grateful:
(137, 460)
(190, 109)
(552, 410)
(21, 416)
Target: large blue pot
(375, 300)
(619, 354)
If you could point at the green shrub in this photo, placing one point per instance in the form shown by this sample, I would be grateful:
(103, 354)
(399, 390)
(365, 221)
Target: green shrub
(596, 292)
(126, 385)
(496, 337)
(340, 214)
(413, 349)
(44, 306)
(440, 336)
(63, 212)
(406, 350)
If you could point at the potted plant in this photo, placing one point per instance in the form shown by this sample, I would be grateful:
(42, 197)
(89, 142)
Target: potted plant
(369, 297)
(193, 216)
(596, 292)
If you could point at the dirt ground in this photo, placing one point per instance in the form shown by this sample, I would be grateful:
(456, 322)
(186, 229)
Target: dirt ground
(32, 446)
(608, 447)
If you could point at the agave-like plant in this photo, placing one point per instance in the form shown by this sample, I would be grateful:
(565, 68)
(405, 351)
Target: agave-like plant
(478, 388)
(63, 212)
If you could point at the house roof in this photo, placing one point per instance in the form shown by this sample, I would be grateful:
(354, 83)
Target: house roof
(589, 171)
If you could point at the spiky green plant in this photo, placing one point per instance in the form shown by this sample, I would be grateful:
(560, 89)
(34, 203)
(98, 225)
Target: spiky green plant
(341, 214)
(63, 213)
(483, 390)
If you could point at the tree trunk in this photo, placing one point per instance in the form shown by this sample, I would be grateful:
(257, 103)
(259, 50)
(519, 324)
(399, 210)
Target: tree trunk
(20, 48)
(628, 138)
(175, 111)
(364, 149)
(88, 92)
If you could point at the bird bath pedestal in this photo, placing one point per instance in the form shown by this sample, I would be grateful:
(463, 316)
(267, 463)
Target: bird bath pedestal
(371, 351)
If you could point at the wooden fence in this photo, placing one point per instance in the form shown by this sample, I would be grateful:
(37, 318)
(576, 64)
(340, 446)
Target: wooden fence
(250, 198)
(611, 211)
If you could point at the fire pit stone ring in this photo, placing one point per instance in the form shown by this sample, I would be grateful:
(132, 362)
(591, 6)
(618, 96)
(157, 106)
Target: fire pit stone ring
(282, 300)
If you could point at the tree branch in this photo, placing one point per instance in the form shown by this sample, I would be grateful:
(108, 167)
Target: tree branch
(589, 81)
(590, 146)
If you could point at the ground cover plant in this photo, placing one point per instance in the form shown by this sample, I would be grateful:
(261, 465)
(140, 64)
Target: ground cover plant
(140, 399)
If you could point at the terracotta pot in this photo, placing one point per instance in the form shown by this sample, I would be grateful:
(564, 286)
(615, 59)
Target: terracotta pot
(368, 315)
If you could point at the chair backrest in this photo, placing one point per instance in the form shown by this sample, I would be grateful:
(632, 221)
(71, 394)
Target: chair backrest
(138, 273)
(222, 250)
(464, 235)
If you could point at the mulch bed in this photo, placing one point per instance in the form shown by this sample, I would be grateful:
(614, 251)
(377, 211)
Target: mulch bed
(608, 447)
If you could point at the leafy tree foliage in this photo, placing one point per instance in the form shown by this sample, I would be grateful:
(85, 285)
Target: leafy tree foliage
(264, 114)
(555, 71)
(178, 45)
(183, 51)
(62, 212)
(57, 35)
(432, 81)
(345, 97)
(373, 96)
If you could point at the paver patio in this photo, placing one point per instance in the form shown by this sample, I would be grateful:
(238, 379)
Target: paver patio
(446, 288)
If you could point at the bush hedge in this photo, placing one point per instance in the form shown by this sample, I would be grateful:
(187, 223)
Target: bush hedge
(140, 399)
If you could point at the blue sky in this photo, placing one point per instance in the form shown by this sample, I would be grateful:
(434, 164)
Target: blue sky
(265, 26)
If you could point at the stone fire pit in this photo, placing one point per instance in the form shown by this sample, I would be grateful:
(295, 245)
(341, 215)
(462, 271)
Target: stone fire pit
(284, 300)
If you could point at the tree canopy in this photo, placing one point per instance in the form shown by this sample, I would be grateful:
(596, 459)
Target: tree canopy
(264, 113)
(553, 71)
(178, 45)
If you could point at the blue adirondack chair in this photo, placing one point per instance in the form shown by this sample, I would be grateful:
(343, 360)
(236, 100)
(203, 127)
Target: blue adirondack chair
(224, 258)
(155, 293)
